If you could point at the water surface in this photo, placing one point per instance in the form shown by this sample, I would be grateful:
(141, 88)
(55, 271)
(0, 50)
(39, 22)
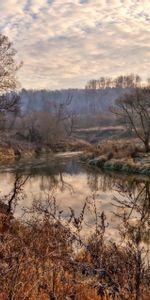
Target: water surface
(71, 183)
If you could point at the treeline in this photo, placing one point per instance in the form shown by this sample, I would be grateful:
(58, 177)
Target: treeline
(122, 81)
(82, 101)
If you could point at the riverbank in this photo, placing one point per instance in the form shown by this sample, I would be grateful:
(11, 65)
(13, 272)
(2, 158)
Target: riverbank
(121, 157)
(20, 149)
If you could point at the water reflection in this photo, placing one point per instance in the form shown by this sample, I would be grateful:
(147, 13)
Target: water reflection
(134, 210)
(124, 199)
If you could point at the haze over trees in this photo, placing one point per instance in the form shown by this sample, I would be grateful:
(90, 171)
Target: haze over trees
(88, 107)
(48, 125)
(49, 116)
(83, 101)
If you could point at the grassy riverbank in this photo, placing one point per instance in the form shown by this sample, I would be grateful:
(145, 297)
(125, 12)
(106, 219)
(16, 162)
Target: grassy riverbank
(121, 156)
(18, 149)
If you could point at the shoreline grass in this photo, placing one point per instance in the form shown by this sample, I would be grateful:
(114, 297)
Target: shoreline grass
(125, 158)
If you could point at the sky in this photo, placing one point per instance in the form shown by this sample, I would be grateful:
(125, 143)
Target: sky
(65, 43)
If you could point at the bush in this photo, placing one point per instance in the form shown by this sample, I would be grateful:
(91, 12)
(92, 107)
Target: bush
(39, 259)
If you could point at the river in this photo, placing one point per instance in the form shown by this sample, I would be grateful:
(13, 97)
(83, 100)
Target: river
(72, 184)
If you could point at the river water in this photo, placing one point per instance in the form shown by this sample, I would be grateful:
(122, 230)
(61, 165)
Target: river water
(72, 184)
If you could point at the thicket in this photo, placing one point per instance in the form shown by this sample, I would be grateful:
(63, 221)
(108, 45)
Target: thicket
(46, 256)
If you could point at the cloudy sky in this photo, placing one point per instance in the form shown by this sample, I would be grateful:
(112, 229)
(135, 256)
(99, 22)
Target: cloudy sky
(64, 43)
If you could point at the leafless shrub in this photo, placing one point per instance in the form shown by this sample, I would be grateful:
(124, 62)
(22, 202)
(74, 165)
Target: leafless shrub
(45, 256)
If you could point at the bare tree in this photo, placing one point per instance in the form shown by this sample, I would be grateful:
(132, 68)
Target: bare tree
(133, 110)
(122, 81)
(92, 84)
(9, 102)
(8, 66)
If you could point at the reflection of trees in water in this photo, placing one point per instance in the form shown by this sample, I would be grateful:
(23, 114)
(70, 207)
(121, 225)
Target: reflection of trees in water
(100, 181)
(132, 202)
(134, 210)
(55, 182)
(49, 183)
(106, 181)
(50, 174)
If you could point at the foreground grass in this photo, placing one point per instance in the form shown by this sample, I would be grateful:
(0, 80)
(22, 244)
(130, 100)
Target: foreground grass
(43, 257)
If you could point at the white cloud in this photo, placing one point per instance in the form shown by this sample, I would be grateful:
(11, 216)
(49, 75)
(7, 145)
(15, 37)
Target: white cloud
(64, 43)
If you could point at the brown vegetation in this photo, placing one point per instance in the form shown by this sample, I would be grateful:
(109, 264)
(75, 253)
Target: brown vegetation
(44, 256)
(6, 154)
(120, 149)
(119, 156)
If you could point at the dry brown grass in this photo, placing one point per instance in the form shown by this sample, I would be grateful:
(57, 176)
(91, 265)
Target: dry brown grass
(37, 261)
(6, 154)
(120, 156)
(119, 149)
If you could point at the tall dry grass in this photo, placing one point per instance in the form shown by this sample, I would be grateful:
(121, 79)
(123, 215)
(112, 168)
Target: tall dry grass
(39, 257)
